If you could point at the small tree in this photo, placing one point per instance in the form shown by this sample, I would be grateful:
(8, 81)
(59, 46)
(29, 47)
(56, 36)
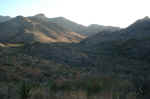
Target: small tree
(24, 90)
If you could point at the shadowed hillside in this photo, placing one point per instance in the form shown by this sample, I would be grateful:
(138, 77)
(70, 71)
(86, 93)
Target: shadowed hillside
(44, 59)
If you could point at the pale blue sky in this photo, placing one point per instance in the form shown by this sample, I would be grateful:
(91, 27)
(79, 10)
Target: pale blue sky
(105, 12)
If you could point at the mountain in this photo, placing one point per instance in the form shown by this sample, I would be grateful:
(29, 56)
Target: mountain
(83, 30)
(95, 28)
(40, 16)
(127, 47)
(139, 30)
(69, 24)
(113, 62)
(35, 29)
(124, 52)
(137, 39)
(4, 18)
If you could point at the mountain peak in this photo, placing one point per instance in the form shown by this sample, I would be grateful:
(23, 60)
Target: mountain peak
(141, 23)
(20, 17)
(60, 17)
(146, 18)
(4, 18)
(40, 15)
(36, 29)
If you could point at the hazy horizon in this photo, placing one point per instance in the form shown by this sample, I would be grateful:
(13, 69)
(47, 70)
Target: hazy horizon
(104, 12)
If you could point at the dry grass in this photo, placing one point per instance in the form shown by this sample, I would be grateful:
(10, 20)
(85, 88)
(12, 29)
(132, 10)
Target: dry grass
(11, 45)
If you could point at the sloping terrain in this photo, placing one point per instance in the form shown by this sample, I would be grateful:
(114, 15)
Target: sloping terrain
(35, 29)
(83, 30)
(69, 24)
(121, 54)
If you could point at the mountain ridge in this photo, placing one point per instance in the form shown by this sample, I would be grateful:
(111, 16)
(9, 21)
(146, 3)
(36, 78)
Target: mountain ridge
(33, 28)
(4, 18)
(84, 30)
(122, 54)
(75, 27)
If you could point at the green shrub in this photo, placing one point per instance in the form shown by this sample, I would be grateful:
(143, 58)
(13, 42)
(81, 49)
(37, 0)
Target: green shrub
(24, 90)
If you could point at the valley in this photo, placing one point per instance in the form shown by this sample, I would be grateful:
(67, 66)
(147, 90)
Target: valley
(55, 58)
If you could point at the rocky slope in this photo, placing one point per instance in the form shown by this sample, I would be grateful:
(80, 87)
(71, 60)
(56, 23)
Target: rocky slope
(83, 30)
(35, 29)
(121, 54)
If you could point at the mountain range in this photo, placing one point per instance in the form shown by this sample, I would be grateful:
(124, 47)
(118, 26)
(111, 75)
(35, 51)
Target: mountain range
(4, 18)
(70, 25)
(39, 49)
(84, 30)
(36, 28)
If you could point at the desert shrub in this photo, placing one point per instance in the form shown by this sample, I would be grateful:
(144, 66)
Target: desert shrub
(38, 93)
(24, 90)
(90, 85)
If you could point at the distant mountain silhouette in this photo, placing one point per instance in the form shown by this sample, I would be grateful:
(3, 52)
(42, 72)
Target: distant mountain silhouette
(4, 18)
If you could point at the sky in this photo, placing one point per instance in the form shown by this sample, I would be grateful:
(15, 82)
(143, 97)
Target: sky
(104, 12)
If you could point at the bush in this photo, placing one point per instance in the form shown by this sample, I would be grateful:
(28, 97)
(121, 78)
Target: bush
(24, 90)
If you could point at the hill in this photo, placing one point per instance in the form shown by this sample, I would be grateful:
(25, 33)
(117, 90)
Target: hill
(111, 63)
(35, 29)
(83, 30)
(4, 18)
